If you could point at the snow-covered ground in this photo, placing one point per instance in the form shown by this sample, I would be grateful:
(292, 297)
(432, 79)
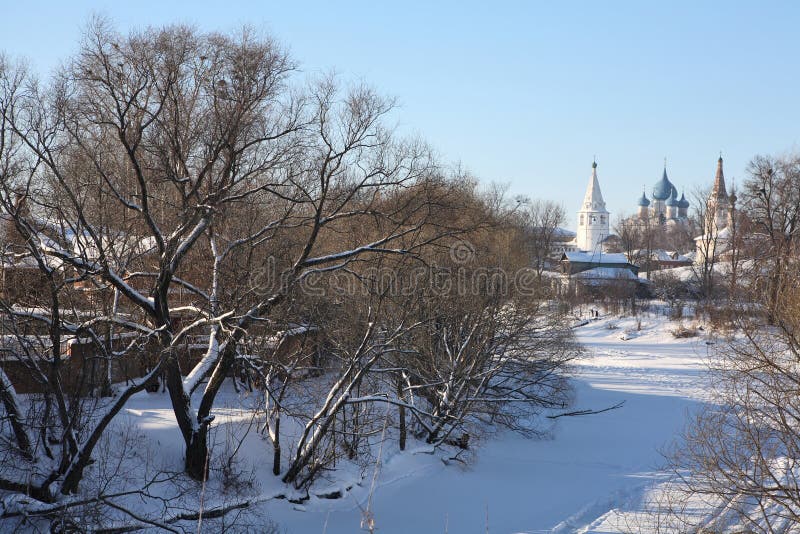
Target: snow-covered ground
(593, 465)
(591, 475)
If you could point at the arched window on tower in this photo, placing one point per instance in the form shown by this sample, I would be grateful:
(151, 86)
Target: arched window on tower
(602, 219)
(593, 220)
(580, 223)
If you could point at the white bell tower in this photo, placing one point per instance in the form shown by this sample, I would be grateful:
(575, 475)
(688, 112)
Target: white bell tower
(592, 217)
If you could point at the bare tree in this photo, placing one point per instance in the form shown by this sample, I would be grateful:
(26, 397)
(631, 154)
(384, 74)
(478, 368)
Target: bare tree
(627, 229)
(497, 366)
(170, 127)
(173, 138)
(707, 243)
(488, 352)
(542, 221)
(53, 451)
(639, 239)
(740, 455)
(771, 202)
(173, 189)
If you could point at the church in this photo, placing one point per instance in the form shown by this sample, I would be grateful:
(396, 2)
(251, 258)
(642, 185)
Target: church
(666, 207)
(593, 217)
(590, 267)
(593, 228)
(719, 217)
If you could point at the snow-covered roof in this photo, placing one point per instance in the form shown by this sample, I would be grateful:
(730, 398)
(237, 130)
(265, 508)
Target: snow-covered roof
(660, 255)
(297, 330)
(563, 232)
(20, 262)
(610, 238)
(119, 242)
(725, 233)
(595, 257)
(552, 274)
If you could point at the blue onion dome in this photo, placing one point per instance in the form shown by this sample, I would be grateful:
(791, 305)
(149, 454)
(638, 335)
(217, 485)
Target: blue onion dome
(683, 203)
(663, 188)
(673, 199)
(643, 202)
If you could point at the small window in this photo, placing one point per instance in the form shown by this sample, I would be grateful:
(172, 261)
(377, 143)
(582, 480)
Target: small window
(581, 221)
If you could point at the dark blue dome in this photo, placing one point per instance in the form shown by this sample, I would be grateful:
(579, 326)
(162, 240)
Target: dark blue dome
(683, 203)
(673, 199)
(643, 202)
(663, 188)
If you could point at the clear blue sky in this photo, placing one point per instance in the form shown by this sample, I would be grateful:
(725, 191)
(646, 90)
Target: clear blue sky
(523, 92)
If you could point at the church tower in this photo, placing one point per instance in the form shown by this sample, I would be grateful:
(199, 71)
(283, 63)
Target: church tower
(592, 217)
(662, 193)
(644, 207)
(718, 201)
(683, 208)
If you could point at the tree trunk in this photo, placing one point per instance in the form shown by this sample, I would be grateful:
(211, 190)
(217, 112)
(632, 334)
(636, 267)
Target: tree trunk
(197, 454)
(402, 415)
(774, 292)
(73, 472)
(276, 448)
(8, 398)
(194, 432)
